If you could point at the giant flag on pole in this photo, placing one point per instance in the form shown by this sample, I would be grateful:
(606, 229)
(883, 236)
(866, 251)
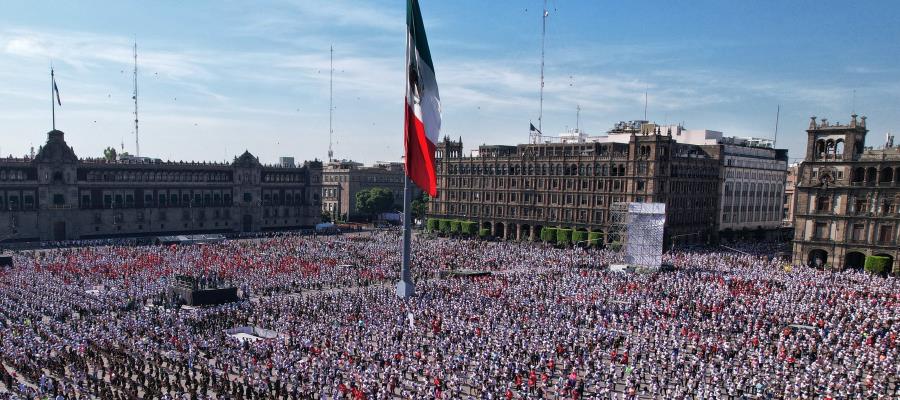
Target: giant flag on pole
(423, 104)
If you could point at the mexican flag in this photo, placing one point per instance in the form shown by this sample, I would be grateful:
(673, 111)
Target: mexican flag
(423, 104)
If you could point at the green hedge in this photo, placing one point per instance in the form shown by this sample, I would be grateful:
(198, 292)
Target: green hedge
(454, 226)
(444, 226)
(595, 239)
(877, 264)
(432, 224)
(468, 228)
(563, 236)
(548, 234)
(484, 232)
(579, 236)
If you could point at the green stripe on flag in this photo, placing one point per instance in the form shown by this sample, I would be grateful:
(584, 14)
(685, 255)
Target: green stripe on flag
(417, 31)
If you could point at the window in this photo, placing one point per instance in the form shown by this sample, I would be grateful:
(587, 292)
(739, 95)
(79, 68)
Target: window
(823, 203)
(859, 232)
(885, 234)
(821, 231)
(59, 200)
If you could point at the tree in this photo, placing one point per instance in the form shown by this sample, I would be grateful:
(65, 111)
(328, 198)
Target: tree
(877, 264)
(419, 206)
(444, 226)
(455, 226)
(469, 228)
(109, 154)
(374, 201)
(563, 236)
(580, 238)
(548, 234)
(326, 216)
(595, 239)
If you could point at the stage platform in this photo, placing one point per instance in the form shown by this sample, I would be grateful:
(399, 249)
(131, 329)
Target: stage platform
(206, 297)
(6, 260)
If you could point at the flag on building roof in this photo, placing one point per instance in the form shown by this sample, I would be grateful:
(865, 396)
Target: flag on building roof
(56, 90)
(423, 104)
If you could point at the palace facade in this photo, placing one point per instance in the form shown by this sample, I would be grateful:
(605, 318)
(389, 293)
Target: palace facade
(514, 191)
(57, 196)
(847, 198)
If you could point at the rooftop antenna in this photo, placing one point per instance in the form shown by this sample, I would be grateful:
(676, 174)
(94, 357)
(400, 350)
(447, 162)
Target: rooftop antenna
(777, 116)
(331, 105)
(577, 118)
(137, 140)
(543, 36)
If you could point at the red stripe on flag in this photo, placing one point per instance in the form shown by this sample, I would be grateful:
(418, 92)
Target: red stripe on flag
(419, 154)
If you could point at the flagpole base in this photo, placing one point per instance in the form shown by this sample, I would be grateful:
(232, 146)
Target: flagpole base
(405, 289)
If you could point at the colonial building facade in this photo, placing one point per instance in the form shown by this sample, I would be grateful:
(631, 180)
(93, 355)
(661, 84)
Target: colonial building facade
(789, 185)
(846, 198)
(514, 191)
(342, 180)
(753, 174)
(753, 179)
(57, 196)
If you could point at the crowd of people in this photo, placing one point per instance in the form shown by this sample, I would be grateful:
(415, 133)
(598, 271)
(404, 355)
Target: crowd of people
(85, 323)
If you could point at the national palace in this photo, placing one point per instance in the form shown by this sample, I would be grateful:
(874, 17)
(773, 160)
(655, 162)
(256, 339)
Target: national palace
(57, 196)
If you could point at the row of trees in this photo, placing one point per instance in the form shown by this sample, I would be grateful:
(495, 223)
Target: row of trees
(455, 227)
(567, 237)
(557, 236)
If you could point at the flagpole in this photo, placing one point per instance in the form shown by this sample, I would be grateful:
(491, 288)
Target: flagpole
(52, 99)
(405, 287)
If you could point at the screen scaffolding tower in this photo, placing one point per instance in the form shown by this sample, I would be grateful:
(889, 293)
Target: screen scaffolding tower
(618, 226)
(638, 228)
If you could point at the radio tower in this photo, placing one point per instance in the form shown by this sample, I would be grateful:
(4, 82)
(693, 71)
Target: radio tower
(535, 136)
(331, 105)
(137, 141)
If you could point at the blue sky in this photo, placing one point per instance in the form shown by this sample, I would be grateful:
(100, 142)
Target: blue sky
(220, 77)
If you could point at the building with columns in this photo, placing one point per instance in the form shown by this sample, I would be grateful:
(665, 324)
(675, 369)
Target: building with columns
(58, 196)
(847, 198)
(514, 191)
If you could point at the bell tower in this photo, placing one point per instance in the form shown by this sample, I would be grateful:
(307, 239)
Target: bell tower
(835, 142)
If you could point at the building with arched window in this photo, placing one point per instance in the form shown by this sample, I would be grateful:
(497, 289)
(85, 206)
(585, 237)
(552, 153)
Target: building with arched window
(847, 198)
